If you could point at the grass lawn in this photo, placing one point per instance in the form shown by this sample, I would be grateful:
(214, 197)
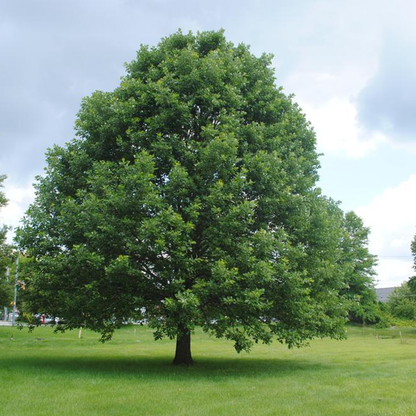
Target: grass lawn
(42, 373)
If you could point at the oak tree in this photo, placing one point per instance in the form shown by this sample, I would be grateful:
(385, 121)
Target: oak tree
(189, 198)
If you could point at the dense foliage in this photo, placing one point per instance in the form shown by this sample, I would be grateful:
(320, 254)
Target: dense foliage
(189, 198)
(402, 303)
(359, 272)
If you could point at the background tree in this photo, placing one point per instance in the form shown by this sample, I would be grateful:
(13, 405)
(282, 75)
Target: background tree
(402, 302)
(188, 199)
(359, 272)
(412, 280)
(6, 290)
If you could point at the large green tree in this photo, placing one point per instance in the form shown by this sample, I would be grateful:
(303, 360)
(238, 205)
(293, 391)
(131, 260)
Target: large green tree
(189, 198)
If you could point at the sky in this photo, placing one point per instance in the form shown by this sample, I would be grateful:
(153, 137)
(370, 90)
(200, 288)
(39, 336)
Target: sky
(351, 66)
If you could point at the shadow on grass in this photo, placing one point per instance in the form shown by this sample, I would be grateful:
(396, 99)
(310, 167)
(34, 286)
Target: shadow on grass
(160, 367)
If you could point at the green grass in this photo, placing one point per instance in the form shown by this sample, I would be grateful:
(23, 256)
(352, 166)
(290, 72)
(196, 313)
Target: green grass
(371, 373)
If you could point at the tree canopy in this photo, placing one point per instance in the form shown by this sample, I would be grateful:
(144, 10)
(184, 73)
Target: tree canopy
(359, 271)
(189, 198)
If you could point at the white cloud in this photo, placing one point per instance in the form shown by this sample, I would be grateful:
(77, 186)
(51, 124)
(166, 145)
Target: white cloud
(393, 272)
(338, 131)
(392, 219)
(329, 102)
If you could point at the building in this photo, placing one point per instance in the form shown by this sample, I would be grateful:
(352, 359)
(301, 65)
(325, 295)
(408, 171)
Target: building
(384, 293)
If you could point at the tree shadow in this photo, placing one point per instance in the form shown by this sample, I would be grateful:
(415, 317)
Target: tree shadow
(156, 367)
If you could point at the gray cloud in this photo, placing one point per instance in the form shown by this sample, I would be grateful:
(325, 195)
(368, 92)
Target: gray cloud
(388, 102)
(53, 54)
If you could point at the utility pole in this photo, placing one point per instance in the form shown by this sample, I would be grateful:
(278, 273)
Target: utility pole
(6, 310)
(15, 290)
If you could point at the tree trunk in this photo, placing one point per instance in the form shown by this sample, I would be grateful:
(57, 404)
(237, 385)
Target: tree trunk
(183, 348)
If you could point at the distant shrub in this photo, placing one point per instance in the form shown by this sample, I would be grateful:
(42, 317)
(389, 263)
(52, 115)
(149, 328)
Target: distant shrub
(370, 312)
(385, 321)
(402, 303)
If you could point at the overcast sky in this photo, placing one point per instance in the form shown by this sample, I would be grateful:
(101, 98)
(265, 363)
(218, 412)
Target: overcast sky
(351, 66)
